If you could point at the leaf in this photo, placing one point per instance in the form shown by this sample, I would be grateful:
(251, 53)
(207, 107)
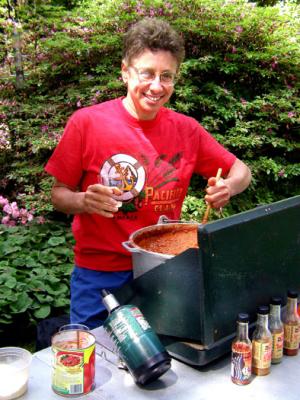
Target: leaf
(8, 249)
(64, 251)
(61, 302)
(43, 297)
(8, 294)
(30, 262)
(56, 240)
(57, 289)
(4, 264)
(11, 282)
(18, 262)
(36, 285)
(6, 319)
(46, 257)
(42, 312)
(22, 304)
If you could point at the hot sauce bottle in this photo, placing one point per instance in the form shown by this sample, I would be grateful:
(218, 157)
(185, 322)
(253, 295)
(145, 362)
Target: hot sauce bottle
(261, 343)
(276, 329)
(241, 352)
(291, 326)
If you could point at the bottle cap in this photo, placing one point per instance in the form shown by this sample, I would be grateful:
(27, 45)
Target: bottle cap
(243, 317)
(109, 300)
(264, 310)
(276, 301)
(292, 294)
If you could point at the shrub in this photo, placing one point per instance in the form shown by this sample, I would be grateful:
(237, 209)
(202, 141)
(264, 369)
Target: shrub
(240, 79)
(34, 272)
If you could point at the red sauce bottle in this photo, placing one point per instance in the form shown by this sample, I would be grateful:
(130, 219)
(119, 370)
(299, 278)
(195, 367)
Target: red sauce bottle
(241, 352)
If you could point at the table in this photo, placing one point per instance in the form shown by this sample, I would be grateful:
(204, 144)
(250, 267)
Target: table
(181, 382)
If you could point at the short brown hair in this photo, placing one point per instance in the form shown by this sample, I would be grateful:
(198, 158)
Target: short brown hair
(153, 34)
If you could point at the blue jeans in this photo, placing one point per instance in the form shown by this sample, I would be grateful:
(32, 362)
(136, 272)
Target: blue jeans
(86, 301)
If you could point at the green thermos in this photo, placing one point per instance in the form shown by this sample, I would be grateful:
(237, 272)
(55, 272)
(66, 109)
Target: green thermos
(137, 343)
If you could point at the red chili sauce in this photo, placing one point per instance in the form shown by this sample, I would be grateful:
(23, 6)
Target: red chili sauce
(172, 241)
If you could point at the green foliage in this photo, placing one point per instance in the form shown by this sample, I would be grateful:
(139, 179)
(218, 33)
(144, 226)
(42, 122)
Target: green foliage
(240, 80)
(242, 83)
(34, 272)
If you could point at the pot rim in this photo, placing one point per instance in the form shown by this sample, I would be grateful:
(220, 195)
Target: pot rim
(163, 227)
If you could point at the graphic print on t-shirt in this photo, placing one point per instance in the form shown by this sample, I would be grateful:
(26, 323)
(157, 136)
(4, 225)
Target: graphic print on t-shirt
(124, 172)
(129, 175)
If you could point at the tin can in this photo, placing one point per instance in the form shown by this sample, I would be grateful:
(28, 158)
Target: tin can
(73, 371)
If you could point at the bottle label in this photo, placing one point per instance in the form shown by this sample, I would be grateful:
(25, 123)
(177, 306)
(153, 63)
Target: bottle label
(261, 353)
(277, 345)
(126, 325)
(291, 336)
(241, 360)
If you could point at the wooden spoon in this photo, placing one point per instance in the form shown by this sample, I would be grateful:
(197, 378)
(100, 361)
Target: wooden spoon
(207, 211)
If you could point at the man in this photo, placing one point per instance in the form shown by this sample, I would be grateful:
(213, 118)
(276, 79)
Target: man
(123, 163)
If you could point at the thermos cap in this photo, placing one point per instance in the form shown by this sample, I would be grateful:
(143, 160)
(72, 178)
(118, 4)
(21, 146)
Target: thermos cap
(109, 300)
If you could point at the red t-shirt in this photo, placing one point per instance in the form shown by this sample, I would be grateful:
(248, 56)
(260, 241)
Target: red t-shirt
(153, 162)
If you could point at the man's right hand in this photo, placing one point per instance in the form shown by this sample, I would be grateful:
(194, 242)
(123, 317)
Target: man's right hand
(98, 199)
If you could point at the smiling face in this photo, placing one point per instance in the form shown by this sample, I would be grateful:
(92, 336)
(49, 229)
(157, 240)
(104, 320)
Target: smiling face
(145, 98)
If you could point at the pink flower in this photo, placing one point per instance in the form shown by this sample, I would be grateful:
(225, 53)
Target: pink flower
(29, 217)
(45, 128)
(41, 220)
(238, 29)
(23, 212)
(14, 205)
(291, 114)
(7, 208)
(274, 64)
(5, 220)
(15, 214)
(3, 201)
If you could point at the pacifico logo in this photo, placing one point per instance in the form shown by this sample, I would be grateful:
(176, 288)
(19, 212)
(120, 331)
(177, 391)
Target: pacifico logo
(124, 172)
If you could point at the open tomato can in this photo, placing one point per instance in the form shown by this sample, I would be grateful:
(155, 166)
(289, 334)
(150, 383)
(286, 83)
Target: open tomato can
(73, 372)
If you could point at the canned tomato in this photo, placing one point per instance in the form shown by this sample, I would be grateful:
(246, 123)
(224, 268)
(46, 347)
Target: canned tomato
(73, 360)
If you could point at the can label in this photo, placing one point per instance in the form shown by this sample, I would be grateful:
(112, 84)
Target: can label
(73, 363)
(241, 360)
(262, 353)
(291, 336)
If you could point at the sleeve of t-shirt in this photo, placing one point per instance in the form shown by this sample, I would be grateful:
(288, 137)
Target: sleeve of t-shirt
(65, 164)
(212, 155)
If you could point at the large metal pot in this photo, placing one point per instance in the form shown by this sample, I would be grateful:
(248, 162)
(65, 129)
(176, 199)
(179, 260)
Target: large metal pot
(144, 260)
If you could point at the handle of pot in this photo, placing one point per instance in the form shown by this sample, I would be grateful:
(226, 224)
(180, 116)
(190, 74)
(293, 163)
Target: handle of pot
(130, 247)
(163, 219)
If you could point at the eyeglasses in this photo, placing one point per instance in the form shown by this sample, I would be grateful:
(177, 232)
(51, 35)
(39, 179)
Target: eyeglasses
(147, 75)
